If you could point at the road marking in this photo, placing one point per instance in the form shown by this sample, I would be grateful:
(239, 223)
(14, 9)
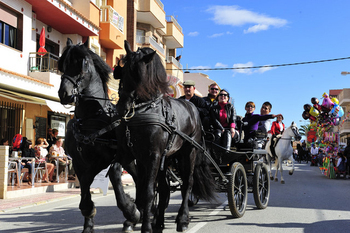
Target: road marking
(198, 226)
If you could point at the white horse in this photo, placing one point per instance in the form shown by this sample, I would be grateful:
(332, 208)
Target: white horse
(284, 150)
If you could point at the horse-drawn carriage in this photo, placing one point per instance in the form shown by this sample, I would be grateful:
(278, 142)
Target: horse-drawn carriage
(236, 172)
(153, 129)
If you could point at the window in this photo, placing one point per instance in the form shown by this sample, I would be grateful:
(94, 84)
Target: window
(11, 25)
(10, 119)
(140, 36)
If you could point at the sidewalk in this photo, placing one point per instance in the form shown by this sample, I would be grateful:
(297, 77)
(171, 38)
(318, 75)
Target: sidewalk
(42, 198)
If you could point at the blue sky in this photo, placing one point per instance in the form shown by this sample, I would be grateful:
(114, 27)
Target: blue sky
(225, 33)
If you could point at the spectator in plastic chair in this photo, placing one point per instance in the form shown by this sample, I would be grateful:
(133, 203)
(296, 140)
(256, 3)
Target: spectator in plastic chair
(41, 154)
(57, 148)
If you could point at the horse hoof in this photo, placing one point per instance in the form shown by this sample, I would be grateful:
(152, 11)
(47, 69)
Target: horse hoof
(290, 173)
(276, 179)
(181, 227)
(282, 181)
(128, 226)
(271, 177)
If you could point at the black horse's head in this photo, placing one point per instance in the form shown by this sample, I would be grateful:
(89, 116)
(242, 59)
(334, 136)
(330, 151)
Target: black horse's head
(82, 69)
(143, 73)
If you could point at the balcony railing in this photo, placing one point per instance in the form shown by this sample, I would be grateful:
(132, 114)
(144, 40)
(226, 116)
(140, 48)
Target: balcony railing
(172, 59)
(160, 4)
(45, 63)
(170, 18)
(109, 15)
(151, 41)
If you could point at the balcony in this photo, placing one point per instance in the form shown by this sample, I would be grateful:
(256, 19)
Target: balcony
(45, 63)
(145, 41)
(344, 97)
(58, 14)
(112, 28)
(174, 37)
(151, 12)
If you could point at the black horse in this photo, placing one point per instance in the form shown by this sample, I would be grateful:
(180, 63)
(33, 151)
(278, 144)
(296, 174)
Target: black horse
(154, 129)
(89, 135)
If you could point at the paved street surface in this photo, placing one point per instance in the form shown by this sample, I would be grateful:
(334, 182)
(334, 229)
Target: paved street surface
(308, 202)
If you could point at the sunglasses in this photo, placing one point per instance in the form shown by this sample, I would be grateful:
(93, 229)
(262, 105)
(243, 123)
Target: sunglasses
(249, 106)
(223, 95)
(216, 89)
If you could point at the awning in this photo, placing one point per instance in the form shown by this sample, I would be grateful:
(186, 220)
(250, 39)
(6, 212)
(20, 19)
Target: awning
(19, 97)
(59, 108)
(53, 105)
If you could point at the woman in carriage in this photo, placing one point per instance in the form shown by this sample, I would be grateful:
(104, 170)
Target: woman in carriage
(223, 116)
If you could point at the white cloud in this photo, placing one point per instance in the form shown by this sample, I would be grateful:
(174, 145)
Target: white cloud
(236, 16)
(193, 34)
(251, 71)
(220, 65)
(216, 35)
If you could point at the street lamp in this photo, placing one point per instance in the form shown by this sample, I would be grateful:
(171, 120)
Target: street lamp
(345, 72)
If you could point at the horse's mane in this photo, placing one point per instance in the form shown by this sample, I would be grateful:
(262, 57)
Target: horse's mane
(78, 52)
(154, 79)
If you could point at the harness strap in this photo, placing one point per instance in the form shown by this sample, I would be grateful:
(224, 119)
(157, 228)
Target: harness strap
(198, 146)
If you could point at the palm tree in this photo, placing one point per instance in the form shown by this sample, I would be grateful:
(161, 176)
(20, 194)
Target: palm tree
(304, 129)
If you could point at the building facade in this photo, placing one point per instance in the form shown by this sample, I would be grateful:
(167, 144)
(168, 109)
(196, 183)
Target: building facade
(343, 95)
(29, 82)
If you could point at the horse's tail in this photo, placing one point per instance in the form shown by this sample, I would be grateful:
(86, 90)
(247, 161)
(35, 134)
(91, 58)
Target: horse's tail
(203, 182)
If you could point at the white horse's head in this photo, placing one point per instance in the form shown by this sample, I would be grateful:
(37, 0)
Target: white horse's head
(293, 131)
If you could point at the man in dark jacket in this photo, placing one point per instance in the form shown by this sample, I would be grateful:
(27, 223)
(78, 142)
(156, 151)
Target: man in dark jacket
(212, 93)
(189, 88)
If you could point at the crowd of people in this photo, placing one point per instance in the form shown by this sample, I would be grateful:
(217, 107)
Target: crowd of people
(43, 153)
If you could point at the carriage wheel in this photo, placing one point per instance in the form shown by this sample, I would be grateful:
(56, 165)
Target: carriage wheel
(192, 200)
(261, 186)
(237, 190)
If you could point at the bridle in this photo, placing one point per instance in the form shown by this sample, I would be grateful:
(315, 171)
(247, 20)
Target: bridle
(295, 132)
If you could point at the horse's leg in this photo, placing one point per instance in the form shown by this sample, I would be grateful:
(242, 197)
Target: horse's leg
(145, 189)
(277, 164)
(292, 170)
(187, 165)
(86, 205)
(280, 161)
(124, 202)
(268, 159)
(164, 193)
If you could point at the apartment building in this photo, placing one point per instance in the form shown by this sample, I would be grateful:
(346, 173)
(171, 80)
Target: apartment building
(343, 95)
(29, 83)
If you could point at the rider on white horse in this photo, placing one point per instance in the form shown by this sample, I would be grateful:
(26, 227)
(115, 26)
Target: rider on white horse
(277, 130)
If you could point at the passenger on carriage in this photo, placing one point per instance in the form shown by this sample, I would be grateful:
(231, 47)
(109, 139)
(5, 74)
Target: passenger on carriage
(213, 91)
(252, 121)
(203, 109)
(264, 126)
(223, 116)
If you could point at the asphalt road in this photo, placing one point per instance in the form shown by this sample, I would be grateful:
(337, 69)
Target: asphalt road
(307, 202)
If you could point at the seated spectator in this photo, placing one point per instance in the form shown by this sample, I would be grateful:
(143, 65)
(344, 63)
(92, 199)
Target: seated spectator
(41, 154)
(57, 148)
(341, 164)
(223, 116)
(27, 152)
(252, 121)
